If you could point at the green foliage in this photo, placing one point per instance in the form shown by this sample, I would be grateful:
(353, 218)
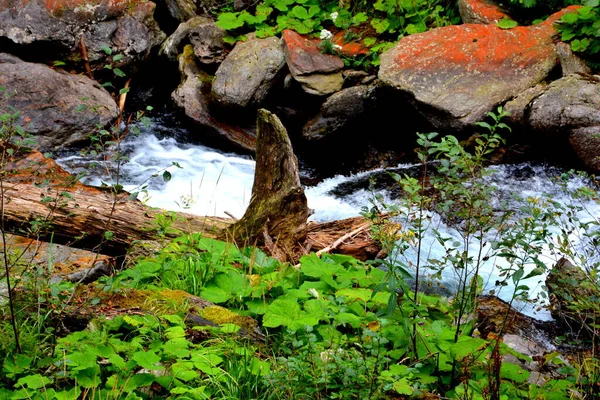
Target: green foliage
(581, 29)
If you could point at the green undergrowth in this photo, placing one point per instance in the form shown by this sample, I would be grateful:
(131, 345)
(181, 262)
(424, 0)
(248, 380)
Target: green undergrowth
(333, 331)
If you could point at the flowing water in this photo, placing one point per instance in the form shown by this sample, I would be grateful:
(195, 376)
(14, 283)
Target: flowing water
(212, 182)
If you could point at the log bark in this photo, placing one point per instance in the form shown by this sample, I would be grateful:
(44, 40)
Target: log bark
(81, 216)
(278, 212)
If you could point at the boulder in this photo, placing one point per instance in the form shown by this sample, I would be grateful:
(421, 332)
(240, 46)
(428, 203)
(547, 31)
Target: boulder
(192, 96)
(455, 75)
(517, 107)
(182, 10)
(319, 74)
(571, 106)
(204, 35)
(249, 72)
(60, 109)
(570, 62)
(480, 12)
(127, 27)
(339, 112)
(586, 143)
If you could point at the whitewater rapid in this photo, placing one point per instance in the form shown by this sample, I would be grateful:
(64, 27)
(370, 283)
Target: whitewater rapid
(205, 181)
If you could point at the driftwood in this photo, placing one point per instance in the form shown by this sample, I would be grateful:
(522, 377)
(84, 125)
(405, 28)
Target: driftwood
(278, 212)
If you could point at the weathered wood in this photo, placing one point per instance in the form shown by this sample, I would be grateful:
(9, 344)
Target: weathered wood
(325, 235)
(81, 216)
(278, 211)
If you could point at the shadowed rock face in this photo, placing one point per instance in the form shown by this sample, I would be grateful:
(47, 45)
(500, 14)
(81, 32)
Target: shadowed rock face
(457, 74)
(125, 26)
(192, 96)
(59, 108)
(570, 107)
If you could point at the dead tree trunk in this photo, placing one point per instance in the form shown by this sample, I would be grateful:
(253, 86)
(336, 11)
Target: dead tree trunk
(90, 218)
(277, 214)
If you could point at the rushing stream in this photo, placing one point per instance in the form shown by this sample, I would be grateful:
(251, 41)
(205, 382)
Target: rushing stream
(211, 182)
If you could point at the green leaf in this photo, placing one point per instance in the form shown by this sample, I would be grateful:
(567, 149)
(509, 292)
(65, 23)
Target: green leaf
(36, 381)
(362, 295)
(207, 363)
(106, 49)
(229, 21)
(118, 72)
(166, 176)
(403, 386)
(147, 360)
(281, 312)
(506, 23)
(299, 12)
(513, 372)
(467, 346)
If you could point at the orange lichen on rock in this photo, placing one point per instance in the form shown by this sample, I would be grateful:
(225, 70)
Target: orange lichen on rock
(480, 11)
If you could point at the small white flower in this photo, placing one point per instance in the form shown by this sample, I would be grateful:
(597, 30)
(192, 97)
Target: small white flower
(313, 292)
(334, 16)
(337, 47)
(325, 34)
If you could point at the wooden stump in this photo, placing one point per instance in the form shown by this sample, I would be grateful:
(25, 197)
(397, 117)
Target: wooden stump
(277, 214)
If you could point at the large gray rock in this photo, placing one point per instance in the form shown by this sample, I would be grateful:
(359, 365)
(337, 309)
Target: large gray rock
(126, 27)
(248, 73)
(60, 109)
(568, 103)
(192, 96)
(204, 35)
(455, 75)
(339, 112)
(571, 106)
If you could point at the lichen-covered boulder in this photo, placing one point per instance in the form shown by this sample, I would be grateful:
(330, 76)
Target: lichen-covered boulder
(480, 11)
(249, 72)
(204, 35)
(570, 106)
(127, 27)
(319, 74)
(192, 96)
(60, 109)
(455, 75)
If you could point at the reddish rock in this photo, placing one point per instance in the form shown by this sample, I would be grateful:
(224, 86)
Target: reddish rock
(480, 11)
(349, 49)
(304, 57)
(457, 74)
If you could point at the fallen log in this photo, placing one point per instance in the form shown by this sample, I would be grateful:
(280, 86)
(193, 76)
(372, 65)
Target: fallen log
(90, 218)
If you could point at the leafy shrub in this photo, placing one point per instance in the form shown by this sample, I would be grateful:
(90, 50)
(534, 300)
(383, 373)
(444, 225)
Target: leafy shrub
(581, 29)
